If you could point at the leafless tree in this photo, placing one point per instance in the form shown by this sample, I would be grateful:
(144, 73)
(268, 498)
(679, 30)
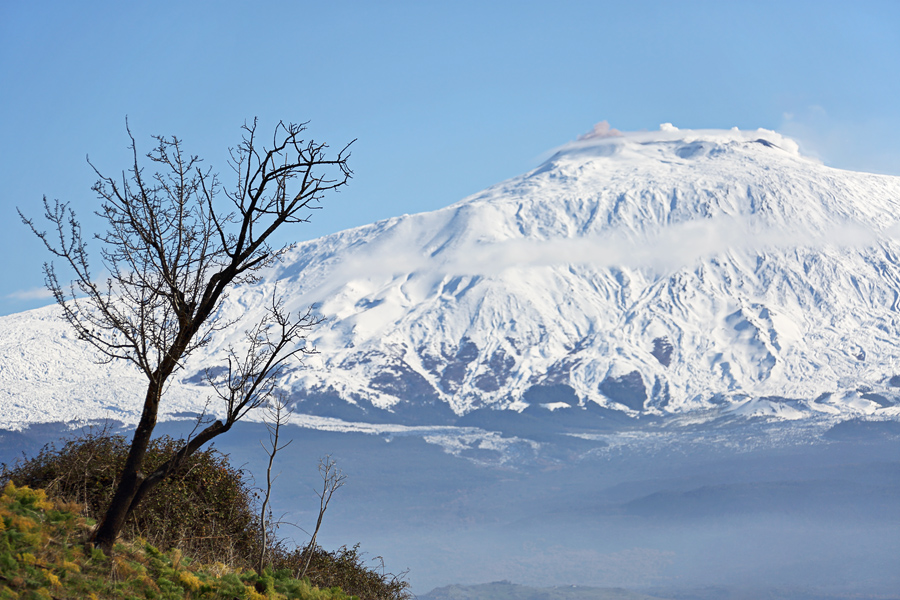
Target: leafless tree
(176, 242)
(277, 414)
(332, 480)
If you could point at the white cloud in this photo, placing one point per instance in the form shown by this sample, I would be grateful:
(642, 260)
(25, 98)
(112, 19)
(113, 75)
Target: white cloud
(673, 248)
(40, 293)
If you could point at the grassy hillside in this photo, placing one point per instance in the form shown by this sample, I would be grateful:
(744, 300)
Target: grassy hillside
(208, 511)
(42, 557)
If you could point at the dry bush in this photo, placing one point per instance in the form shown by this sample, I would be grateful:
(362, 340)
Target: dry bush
(208, 510)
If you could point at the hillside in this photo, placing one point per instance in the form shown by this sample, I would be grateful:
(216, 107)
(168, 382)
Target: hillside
(42, 556)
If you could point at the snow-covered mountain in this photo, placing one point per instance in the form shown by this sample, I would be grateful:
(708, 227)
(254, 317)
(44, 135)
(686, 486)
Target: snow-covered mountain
(656, 273)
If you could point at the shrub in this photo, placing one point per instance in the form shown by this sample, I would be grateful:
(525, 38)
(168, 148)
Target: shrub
(207, 511)
(345, 568)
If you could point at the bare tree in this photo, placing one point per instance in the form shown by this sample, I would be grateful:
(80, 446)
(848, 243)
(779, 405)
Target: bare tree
(176, 241)
(332, 480)
(277, 414)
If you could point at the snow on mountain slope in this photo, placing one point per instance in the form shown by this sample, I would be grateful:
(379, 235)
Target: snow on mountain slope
(655, 272)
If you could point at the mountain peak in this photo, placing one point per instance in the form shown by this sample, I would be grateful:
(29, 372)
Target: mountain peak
(656, 273)
(671, 143)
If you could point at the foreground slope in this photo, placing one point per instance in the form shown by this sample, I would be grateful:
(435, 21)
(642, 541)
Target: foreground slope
(656, 273)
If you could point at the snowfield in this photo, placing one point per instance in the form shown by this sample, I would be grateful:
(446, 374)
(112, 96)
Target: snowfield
(663, 273)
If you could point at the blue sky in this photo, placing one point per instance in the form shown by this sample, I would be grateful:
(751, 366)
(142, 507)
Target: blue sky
(444, 98)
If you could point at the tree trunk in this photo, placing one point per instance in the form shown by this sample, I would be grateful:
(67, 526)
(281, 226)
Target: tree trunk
(174, 463)
(132, 477)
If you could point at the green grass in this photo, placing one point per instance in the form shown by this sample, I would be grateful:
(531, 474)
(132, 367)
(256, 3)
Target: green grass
(42, 556)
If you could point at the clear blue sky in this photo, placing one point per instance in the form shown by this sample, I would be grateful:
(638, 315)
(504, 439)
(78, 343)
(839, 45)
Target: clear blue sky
(445, 98)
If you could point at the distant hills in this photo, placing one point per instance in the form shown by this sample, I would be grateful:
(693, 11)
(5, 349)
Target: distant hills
(504, 590)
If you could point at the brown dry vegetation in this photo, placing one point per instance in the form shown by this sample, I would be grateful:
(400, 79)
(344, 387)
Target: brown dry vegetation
(207, 511)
